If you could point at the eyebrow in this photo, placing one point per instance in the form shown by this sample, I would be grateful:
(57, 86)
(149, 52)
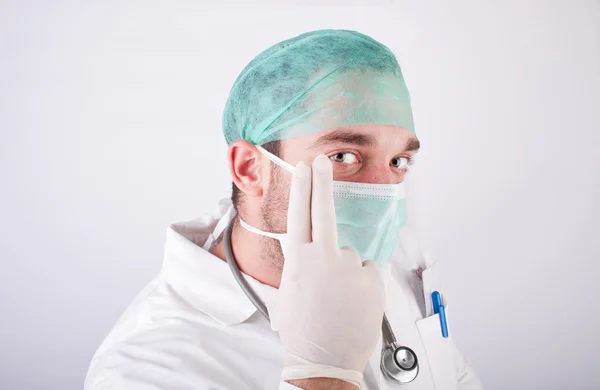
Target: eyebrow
(346, 137)
(355, 138)
(412, 145)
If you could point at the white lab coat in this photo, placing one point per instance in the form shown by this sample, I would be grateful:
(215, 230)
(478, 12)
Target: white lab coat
(192, 327)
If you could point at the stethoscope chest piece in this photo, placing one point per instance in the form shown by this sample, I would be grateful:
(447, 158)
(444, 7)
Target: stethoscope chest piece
(399, 364)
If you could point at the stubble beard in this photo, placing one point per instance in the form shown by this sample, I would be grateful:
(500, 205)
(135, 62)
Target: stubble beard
(274, 213)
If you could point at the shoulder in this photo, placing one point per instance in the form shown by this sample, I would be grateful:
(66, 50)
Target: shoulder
(161, 342)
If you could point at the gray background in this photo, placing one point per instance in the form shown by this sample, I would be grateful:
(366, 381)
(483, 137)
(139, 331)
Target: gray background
(110, 130)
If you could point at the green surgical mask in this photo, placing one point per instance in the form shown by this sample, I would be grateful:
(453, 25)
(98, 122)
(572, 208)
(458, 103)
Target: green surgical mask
(368, 216)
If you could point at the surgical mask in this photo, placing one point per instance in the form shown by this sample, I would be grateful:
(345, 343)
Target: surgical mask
(368, 216)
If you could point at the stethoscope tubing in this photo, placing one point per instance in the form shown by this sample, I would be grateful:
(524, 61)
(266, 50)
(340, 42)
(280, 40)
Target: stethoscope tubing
(389, 338)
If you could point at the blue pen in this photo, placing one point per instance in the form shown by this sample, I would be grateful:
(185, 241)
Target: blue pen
(438, 308)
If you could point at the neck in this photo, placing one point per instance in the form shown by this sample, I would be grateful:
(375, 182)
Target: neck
(248, 249)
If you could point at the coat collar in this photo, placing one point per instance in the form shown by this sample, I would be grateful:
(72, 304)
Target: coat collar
(203, 280)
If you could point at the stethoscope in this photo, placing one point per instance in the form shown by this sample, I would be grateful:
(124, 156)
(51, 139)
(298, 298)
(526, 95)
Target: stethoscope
(398, 363)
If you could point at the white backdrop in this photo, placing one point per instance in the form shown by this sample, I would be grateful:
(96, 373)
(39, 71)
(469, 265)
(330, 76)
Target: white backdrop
(110, 130)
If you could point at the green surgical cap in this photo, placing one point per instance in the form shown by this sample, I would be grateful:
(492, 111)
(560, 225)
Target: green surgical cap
(317, 81)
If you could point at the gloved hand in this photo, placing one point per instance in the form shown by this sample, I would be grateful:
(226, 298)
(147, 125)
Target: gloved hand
(330, 304)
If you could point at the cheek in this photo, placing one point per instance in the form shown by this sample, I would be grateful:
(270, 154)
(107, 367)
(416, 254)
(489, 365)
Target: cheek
(275, 204)
(284, 190)
(278, 193)
(400, 177)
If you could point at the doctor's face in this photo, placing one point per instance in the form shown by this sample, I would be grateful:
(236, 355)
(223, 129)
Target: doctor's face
(367, 153)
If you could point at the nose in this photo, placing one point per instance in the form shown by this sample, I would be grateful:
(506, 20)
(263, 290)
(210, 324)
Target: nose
(378, 174)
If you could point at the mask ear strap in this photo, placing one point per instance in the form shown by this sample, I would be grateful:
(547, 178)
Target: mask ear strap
(221, 225)
(277, 236)
(283, 164)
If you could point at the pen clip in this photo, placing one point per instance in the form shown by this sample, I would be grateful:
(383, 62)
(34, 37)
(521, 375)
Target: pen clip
(437, 301)
(438, 308)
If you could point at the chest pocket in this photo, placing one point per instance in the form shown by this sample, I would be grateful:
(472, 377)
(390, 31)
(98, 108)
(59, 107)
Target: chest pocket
(440, 353)
(439, 349)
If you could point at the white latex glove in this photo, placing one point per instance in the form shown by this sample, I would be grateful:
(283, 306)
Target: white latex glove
(330, 304)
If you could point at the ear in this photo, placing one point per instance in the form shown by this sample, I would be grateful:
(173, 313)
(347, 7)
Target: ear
(245, 166)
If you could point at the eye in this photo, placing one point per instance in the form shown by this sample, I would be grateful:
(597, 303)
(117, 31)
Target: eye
(344, 158)
(400, 162)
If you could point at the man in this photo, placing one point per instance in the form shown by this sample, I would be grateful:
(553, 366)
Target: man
(320, 135)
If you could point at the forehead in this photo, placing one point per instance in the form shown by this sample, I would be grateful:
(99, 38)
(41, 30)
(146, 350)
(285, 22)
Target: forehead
(384, 137)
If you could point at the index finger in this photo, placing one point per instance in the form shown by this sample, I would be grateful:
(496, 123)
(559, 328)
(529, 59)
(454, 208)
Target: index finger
(324, 227)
